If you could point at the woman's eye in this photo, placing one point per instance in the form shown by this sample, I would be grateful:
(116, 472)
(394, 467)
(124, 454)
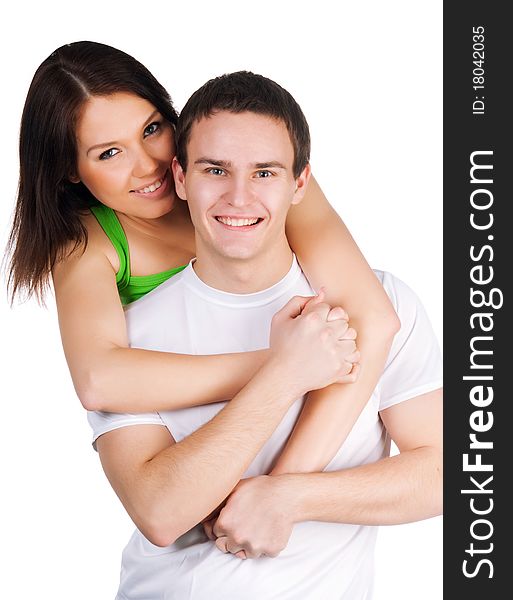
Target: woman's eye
(152, 128)
(108, 153)
(263, 174)
(215, 171)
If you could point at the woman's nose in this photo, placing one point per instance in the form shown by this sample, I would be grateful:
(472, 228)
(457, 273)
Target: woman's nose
(144, 164)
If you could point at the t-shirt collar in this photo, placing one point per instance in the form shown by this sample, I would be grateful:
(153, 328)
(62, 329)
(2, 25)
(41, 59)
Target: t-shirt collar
(191, 279)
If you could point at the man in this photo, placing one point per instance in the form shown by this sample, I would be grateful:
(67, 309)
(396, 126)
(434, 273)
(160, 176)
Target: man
(241, 163)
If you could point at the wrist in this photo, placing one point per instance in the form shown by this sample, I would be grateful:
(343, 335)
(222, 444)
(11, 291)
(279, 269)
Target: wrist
(284, 371)
(291, 493)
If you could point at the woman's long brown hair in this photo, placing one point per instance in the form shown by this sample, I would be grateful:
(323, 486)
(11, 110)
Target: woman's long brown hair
(47, 222)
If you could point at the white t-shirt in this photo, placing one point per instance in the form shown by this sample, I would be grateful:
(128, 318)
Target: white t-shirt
(322, 561)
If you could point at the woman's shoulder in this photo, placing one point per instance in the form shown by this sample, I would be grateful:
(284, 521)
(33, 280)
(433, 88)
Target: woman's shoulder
(98, 242)
(97, 247)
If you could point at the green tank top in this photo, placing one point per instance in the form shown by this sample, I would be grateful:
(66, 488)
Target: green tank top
(130, 287)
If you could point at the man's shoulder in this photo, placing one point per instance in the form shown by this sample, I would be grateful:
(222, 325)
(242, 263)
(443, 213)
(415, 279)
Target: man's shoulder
(397, 290)
(407, 304)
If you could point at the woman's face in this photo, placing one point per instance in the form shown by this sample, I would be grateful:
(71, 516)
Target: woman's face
(125, 149)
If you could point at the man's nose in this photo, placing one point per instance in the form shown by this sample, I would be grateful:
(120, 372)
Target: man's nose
(240, 192)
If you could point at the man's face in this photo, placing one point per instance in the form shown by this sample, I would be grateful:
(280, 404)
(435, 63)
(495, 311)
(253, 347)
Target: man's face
(239, 183)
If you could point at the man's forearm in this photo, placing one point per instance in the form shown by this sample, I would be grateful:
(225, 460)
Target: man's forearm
(398, 489)
(188, 480)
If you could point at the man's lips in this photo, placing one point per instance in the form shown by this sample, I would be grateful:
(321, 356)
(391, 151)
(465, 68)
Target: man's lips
(240, 224)
(238, 221)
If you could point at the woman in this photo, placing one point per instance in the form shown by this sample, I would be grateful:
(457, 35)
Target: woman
(81, 219)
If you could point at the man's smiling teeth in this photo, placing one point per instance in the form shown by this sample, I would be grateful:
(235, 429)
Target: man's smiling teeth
(152, 187)
(237, 222)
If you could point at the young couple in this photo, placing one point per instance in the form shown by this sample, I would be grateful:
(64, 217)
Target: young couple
(196, 390)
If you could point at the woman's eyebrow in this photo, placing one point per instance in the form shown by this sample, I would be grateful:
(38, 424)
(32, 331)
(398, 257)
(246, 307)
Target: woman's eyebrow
(114, 143)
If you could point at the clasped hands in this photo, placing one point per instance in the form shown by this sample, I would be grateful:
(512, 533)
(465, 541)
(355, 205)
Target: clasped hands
(257, 518)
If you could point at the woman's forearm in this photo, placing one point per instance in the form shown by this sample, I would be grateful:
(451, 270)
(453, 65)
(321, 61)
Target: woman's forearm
(110, 376)
(334, 261)
(118, 380)
(329, 414)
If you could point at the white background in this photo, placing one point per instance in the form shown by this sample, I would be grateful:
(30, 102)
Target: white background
(368, 77)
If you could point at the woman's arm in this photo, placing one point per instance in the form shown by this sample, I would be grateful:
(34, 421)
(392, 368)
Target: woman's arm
(110, 376)
(329, 257)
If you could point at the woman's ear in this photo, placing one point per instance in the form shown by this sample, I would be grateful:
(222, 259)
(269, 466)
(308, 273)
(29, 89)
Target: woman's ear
(301, 183)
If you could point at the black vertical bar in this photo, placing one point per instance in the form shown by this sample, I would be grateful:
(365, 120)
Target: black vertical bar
(478, 252)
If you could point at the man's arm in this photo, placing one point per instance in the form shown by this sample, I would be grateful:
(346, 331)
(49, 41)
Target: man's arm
(259, 516)
(167, 488)
(397, 489)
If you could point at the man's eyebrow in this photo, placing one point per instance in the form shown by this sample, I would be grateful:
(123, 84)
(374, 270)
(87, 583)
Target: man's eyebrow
(114, 143)
(205, 160)
(272, 164)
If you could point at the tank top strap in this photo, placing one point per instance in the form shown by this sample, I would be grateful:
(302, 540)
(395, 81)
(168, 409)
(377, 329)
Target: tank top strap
(110, 224)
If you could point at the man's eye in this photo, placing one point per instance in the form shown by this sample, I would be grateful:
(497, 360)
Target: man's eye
(216, 171)
(108, 153)
(263, 174)
(152, 128)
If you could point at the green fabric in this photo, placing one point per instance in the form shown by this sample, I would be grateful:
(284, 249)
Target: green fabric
(130, 287)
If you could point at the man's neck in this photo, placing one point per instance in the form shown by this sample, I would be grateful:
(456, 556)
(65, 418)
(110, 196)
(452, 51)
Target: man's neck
(243, 276)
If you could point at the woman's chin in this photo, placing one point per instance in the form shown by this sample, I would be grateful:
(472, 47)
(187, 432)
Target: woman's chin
(163, 207)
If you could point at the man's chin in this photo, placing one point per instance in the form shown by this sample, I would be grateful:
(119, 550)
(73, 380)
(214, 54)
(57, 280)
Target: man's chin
(241, 255)
(237, 252)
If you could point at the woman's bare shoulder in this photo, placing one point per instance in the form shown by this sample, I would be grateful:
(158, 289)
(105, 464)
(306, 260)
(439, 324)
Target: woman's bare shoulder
(95, 250)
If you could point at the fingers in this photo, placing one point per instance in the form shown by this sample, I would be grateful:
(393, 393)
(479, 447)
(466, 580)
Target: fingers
(350, 334)
(313, 300)
(352, 376)
(316, 306)
(353, 358)
(223, 544)
(208, 528)
(339, 329)
(293, 308)
(337, 313)
(347, 348)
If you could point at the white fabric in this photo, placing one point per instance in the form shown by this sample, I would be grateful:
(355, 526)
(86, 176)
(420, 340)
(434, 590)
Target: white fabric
(323, 561)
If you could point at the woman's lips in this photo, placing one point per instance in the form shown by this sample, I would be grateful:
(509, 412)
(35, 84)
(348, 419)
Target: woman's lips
(156, 192)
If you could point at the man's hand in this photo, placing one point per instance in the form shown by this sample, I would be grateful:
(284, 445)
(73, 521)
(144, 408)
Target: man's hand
(308, 343)
(348, 346)
(257, 519)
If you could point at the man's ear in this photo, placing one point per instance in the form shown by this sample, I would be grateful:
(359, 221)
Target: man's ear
(301, 184)
(179, 177)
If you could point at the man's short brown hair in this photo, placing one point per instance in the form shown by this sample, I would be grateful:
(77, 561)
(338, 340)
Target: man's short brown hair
(240, 92)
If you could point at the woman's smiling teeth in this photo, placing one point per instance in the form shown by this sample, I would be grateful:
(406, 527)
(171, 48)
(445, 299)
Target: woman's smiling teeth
(233, 222)
(151, 188)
